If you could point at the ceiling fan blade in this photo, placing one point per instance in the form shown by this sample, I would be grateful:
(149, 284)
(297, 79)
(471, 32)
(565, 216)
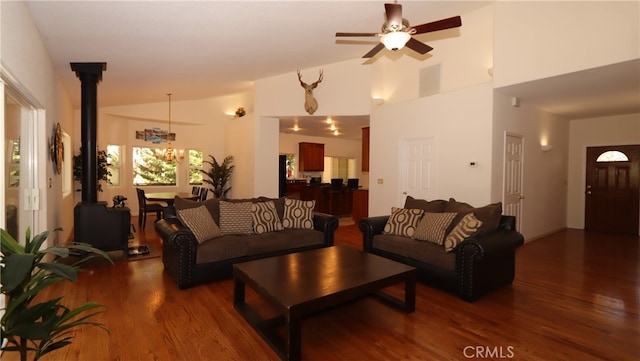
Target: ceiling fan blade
(448, 23)
(418, 46)
(394, 14)
(374, 51)
(356, 34)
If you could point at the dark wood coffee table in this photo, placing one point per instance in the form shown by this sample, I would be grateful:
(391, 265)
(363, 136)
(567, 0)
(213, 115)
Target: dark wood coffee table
(303, 283)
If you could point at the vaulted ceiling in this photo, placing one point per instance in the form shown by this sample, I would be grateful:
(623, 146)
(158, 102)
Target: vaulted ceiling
(203, 49)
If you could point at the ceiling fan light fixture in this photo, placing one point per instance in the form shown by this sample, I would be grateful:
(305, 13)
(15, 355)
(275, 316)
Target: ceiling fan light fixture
(395, 40)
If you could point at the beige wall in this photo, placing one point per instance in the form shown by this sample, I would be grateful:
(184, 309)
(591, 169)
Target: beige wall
(583, 133)
(25, 60)
(541, 39)
(544, 176)
(198, 124)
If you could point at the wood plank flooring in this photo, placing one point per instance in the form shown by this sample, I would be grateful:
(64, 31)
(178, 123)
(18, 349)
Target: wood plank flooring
(576, 296)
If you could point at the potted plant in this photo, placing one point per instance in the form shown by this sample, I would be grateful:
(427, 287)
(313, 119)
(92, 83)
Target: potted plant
(219, 175)
(26, 271)
(102, 164)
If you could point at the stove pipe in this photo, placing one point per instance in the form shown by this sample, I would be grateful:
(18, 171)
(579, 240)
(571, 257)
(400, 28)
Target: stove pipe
(90, 74)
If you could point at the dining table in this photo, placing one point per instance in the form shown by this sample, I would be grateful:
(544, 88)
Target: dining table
(169, 197)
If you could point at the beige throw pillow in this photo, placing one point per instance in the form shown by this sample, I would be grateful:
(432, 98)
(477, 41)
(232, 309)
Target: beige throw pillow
(298, 214)
(403, 222)
(235, 218)
(265, 217)
(468, 226)
(200, 223)
(433, 227)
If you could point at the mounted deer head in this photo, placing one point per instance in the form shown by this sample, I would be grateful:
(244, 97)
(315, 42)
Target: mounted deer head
(310, 103)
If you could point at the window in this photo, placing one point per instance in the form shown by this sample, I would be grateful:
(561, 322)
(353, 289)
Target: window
(113, 164)
(195, 165)
(336, 167)
(149, 170)
(612, 156)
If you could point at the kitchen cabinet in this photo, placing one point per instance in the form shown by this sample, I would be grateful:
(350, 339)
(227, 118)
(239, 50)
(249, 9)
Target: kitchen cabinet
(311, 157)
(365, 149)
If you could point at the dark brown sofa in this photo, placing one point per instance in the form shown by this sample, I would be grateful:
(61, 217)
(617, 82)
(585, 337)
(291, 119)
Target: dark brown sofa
(479, 264)
(190, 262)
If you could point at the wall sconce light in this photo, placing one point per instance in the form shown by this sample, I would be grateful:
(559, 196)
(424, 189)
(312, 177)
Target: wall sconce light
(335, 132)
(240, 112)
(296, 128)
(329, 120)
(378, 101)
(546, 147)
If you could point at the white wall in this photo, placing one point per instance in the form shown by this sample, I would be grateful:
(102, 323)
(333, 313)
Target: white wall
(459, 121)
(241, 143)
(465, 54)
(540, 39)
(25, 58)
(545, 178)
(345, 90)
(583, 133)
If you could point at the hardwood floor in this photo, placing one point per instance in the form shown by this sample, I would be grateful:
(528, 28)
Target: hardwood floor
(576, 296)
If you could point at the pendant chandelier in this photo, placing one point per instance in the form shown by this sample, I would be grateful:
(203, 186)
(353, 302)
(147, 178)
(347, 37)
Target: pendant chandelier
(169, 154)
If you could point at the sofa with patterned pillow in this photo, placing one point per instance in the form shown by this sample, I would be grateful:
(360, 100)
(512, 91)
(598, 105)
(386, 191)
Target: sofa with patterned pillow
(454, 246)
(202, 240)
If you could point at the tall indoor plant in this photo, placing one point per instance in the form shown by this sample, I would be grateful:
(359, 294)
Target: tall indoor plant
(102, 168)
(26, 271)
(219, 175)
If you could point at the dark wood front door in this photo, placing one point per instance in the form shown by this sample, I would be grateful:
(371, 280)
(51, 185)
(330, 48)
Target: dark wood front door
(612, 191)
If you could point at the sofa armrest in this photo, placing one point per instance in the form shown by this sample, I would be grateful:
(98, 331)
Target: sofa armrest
(493, 243)
(179, 250)
(370, 227)
(327, 224)
(486, 263)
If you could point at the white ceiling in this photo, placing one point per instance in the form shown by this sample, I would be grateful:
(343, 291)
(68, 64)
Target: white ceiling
(204, 49)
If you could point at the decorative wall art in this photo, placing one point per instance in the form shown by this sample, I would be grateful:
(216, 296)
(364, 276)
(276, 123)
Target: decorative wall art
(155, 135)
(56, 149)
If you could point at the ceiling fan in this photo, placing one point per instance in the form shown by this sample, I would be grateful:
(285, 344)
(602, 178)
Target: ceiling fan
(396, 31)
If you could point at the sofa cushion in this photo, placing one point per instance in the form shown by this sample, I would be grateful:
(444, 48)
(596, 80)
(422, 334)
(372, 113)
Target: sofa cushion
(265, 217)
(235, 217)
(425, 252)
(213, 205)
(298, 214)
(433, 227)
(436, 206)
(489, 214)
(234, 246)
(403, 222)
(467, 226)
(200, 223)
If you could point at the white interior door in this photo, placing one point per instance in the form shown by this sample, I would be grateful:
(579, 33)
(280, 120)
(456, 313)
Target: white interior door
(417, 168)
(513, 168)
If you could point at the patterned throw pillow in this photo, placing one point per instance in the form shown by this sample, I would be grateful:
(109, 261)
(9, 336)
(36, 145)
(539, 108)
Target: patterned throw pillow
(298, 214)
(235, 218)
(265, 217)
(433, 227)
(467, 226)
(403, 222)
(200, 223)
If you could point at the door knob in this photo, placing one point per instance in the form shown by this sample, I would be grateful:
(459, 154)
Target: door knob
(588, 192)
(520, 197)
(404, 193)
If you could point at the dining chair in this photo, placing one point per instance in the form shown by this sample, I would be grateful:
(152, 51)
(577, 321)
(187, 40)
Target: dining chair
(203, 194)
(145, 207)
